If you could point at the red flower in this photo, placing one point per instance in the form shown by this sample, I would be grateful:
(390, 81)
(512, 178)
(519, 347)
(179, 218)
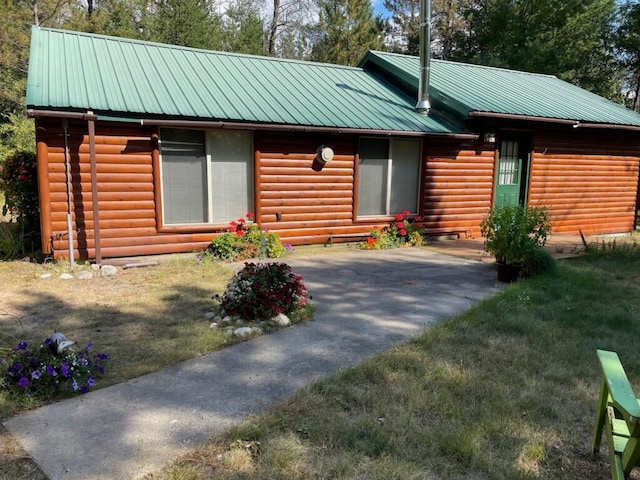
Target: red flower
(403, 232)
(249, 215)
(239, 233)
(418, 219)
(405, 213)
(21, 176)
(241, 221)
(400, 225)
(399, 217)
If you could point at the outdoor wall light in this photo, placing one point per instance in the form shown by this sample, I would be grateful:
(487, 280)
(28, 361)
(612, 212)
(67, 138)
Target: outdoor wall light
(324, 155)
(490, 137)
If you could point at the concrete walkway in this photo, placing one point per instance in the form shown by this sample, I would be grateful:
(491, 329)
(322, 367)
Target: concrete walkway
(366, 302)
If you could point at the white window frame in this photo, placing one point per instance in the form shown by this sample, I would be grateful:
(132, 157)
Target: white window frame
(388, 212)
(209, 148)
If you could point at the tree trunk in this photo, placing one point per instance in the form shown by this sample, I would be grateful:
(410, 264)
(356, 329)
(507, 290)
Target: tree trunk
(636, 101)
(273, 31)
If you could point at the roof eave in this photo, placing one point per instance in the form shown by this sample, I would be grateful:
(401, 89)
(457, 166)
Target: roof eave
(222, 124)
(564, 121)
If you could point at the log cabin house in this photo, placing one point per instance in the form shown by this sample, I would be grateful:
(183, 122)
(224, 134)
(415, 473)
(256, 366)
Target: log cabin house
(146, 148)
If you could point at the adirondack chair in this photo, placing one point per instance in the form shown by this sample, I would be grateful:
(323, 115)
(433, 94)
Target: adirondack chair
(618, 414)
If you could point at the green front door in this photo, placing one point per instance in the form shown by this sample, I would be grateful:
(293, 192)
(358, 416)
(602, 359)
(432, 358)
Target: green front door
(512, 172)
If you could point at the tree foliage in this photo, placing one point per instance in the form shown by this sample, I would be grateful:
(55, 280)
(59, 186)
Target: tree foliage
(627, 41)
(348, 30)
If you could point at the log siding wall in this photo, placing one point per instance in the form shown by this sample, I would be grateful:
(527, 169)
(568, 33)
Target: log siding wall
(588, 181)
(458, 187)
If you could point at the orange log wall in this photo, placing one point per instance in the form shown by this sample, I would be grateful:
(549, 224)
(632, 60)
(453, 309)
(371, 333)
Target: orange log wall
(458, 187)
(587, 179)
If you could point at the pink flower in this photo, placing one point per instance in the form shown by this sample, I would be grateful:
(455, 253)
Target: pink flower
(21, 177)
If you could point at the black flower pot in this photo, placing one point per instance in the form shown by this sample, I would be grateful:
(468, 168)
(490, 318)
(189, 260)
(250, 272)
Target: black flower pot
(508, 273)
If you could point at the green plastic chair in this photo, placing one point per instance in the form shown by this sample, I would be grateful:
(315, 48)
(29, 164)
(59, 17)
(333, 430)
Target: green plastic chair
(618, 415)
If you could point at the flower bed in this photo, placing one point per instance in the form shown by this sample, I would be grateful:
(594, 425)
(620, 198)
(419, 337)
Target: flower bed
(44, 373)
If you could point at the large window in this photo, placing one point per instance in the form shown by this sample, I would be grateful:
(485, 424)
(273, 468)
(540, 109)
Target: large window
(388, 176)
(207, 177)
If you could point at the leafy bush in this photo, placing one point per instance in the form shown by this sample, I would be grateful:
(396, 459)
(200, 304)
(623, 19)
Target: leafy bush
(262, 291)
(243, 241)
(512, 232)
(44, 373)
(18, 181)
(402, 231)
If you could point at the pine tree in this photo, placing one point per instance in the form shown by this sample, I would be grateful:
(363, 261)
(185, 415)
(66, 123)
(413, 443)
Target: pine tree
(349, 30)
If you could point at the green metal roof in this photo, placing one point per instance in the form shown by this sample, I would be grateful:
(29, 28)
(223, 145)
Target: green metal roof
(123, 77)
(464, 88)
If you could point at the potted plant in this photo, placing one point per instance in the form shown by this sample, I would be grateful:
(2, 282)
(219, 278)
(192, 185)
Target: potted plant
(512, 233)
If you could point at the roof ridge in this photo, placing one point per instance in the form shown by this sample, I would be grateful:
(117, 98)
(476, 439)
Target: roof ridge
(194, 49)
(467, 64)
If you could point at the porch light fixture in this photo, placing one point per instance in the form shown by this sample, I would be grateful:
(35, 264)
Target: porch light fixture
(490, 137)
(324, 154)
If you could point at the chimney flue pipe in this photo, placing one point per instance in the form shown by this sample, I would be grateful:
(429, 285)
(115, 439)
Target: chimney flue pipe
(423, 106)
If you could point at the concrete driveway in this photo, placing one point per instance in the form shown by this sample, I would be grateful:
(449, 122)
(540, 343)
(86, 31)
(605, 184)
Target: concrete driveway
(366, 301)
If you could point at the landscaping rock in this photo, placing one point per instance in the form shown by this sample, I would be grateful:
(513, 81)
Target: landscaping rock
(66, 276)
(257, 331)
(210, 316)
(217, 319)
(243, 331)
(214, 326)
(227, 319)
(108, 270)
(281, 320)
(84, 275)
(45, 276)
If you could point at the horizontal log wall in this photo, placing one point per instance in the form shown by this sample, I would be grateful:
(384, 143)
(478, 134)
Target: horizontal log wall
(126, 195)
(587, 179)
(312, 205)
(458, 187)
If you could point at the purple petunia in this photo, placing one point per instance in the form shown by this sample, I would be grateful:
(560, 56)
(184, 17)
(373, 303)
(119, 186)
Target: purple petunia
(64, 369)
(36, 374)
(23, 382)
(21, 346)
(91, 382)
(51, 371)
(74, 384)
(101, 356)
(47, 341)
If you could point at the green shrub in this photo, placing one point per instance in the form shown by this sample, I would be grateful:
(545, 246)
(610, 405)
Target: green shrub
(262, 291)
(244, 241)
(18, 181)
(11, 241)
(538, 262)
(401, 232)
(512, 232)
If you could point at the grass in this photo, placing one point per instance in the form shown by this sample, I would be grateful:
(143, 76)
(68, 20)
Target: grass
(505, 391)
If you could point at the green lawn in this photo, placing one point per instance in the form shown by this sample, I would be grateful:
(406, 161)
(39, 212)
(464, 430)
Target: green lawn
(505, 391)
